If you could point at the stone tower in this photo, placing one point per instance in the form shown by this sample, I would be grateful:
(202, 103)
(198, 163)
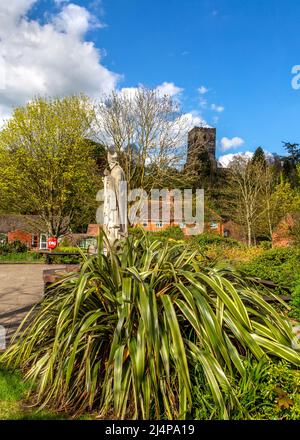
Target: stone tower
(201, 153)
(201, 139)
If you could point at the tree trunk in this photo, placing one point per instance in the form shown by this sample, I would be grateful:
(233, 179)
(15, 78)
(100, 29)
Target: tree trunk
(249, 233)
(270, 223)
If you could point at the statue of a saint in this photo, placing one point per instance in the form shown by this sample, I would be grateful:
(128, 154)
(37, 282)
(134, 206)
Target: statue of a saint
(115, 200)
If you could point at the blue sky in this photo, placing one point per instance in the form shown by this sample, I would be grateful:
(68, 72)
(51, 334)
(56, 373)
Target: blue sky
(241, 51)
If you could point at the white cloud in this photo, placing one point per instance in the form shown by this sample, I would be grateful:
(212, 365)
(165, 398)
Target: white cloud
(227, 158)
(48, 59)
(228, 144)
(193, 119)
(163, 89)
(168, 88)
(128, 92)
(74, 20)
(202, 90)
(10, 14)
(217, 108)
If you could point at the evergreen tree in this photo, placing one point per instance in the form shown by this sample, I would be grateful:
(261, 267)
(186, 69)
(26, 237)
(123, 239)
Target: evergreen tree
(291, 162)
(259, 156)
(293, 151)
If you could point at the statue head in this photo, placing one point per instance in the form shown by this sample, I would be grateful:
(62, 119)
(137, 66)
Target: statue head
(112, 159)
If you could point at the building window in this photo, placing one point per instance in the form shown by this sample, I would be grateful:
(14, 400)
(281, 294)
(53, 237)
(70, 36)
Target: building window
(35, 241)
(43, 241)
(214, 225)
(158, 224)
(145, 224)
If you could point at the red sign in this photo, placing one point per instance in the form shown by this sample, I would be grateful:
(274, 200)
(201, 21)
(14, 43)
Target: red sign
(52, 242)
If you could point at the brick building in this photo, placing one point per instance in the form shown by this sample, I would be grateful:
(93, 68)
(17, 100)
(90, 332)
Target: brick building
(154, 218)
(28, 229)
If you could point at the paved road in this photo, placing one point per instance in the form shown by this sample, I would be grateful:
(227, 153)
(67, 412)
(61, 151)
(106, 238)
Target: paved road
(21, 286)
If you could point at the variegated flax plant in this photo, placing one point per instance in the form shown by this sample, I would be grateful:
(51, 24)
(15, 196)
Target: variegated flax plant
(123, 335)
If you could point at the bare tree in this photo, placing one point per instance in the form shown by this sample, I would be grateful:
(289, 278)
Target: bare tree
(266, 219)
(147, 130)
(246, 184)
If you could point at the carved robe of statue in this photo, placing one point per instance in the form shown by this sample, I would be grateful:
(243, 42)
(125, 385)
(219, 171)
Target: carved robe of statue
(115, 201)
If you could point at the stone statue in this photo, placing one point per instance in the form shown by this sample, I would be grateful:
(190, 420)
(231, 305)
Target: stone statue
(115, 200)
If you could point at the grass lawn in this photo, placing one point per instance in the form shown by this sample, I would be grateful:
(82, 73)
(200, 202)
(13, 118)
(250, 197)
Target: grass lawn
(13, 403)
(22, 257)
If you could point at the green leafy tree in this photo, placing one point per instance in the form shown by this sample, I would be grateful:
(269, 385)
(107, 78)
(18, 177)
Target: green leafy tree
(47, 166)
(10, 181)
(283, 201)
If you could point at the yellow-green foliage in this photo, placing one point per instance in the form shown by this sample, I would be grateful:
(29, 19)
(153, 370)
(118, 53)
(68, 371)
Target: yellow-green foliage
(46, 160)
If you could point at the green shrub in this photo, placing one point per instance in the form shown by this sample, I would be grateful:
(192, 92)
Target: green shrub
(295, 303)
(67, 249)
(172, 232)
(268, 391)
(282, 266)
(18, 246)
(13, 247)
(207, 239)
(75, 256)
(3, 239)
(64, 242)
(122, 336)
(4, 249)
(265, 244)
